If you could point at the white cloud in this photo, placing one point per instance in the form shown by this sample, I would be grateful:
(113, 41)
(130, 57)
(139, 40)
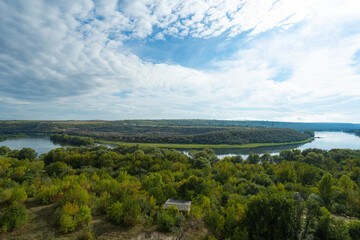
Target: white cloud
(68, 60)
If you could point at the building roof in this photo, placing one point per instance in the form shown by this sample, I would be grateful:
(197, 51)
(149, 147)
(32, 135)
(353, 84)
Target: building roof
(182, 205)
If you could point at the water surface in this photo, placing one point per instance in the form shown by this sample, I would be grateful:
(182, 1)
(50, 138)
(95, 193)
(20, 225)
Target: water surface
(39, 144)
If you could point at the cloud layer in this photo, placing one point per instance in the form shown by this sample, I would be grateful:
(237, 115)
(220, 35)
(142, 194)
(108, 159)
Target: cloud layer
(294, 61)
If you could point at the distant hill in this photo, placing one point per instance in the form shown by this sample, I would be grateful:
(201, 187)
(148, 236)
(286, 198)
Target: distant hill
(159, 127)
(234, 123)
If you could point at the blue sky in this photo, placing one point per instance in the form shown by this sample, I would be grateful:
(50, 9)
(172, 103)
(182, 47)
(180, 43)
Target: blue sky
(279, 60)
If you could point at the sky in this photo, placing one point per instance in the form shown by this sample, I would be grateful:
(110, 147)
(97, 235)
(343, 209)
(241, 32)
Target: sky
(277, 60)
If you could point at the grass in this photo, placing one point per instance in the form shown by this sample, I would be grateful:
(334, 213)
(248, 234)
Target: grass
(200, 146)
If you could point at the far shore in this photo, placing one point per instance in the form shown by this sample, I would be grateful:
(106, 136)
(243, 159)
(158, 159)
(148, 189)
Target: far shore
(201, 146)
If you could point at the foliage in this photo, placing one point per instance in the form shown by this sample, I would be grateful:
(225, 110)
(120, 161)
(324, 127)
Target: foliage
(215, 222)
(326, 187)
(271, 216)
(13, 217)
(265, 197)
(18, 195)
(354, 229)
(169, 218)
(71, 140)
(4, 150)
(115, 212)
(27, 153)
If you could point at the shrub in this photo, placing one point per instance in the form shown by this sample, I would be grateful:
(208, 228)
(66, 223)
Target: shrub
(133, 211)
(67, 223)
(48, 195)
(68, 220)
(165, 221)
(87, 233)
(18, 195)
(76, 194)
(115, 213)
(354, 229)
(84, 215)
(13, 217)
(4, 150)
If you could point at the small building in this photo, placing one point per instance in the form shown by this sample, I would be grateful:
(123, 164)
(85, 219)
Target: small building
(182, 205)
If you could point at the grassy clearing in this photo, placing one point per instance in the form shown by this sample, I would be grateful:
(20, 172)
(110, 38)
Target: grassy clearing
(201, 146)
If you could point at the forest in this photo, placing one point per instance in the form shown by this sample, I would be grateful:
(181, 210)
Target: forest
(142, 131)
(71, 140)
(231, 137)
(110, 193)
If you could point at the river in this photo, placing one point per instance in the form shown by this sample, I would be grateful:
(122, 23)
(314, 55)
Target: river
(323, 140)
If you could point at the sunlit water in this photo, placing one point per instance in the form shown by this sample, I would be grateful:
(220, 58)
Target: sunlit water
(323, 140)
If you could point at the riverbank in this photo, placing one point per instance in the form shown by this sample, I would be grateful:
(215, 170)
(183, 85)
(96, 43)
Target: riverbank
(201, 146)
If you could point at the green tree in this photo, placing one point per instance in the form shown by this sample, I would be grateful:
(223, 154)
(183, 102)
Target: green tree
(325, 186)
(215, 222)
(28, 153)
(253, 158)
(271, 216)
(4, 150)
(313, 211)
(330, 228)
(314, 159)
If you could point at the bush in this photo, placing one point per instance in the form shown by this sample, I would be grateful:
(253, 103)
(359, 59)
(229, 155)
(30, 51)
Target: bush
(13, 217)
(48, 195)
(115, 213)
(76, 194)
(18, 195)
(67, 223)
(87, 233)
(339, 208)
(68, 220)
(84, 216)
(4, 150)
(165, 221)
(354, 229)
(132, 211)
(170, 218)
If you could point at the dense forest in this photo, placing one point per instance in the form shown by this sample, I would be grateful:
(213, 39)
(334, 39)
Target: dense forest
(156, 127)
(103, 193)
(141, 131)
(243, 136)
(71, 140)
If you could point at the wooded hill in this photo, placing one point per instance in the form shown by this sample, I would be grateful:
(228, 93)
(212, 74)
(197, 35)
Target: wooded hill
(158, 131)
(232, 137)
